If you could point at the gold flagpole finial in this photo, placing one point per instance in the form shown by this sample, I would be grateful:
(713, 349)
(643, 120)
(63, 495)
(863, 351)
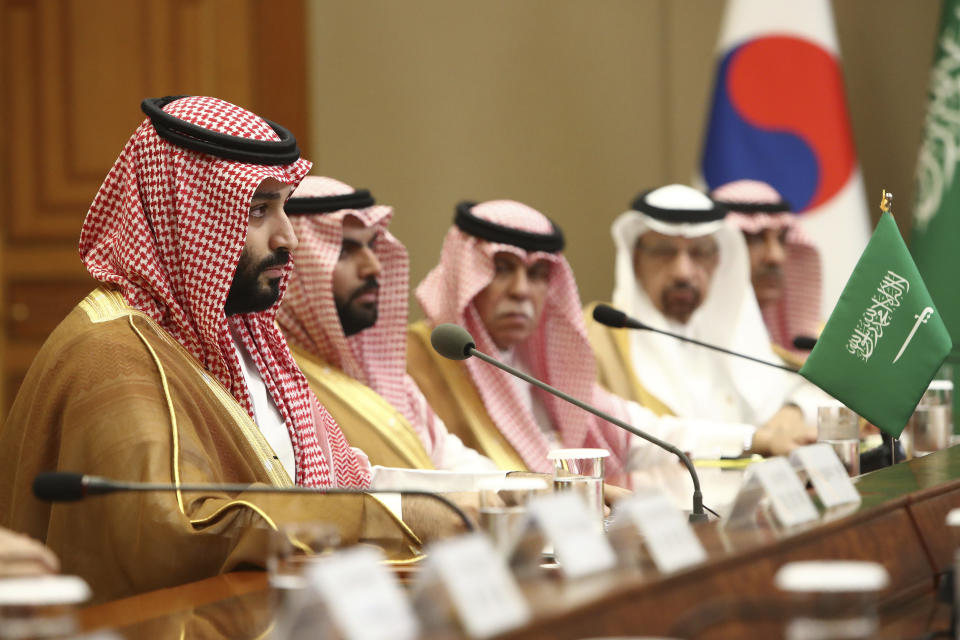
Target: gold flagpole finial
(886, 202)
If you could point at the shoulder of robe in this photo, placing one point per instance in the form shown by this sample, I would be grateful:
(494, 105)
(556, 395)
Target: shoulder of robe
(99, 333)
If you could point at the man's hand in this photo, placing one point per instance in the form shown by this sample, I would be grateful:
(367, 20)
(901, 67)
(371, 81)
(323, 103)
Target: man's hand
(612, 493)
(785, 431)
(432, 520)
(23, 556)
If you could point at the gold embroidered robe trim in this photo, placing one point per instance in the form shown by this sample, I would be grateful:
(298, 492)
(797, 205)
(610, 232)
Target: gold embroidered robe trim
(368, 421)
(450, 391)
(94, 401)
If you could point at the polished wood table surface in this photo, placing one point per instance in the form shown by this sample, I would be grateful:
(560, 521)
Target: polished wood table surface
(900, 524)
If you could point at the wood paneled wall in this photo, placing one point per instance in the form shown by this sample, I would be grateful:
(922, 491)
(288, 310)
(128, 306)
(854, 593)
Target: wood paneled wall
(74, 73)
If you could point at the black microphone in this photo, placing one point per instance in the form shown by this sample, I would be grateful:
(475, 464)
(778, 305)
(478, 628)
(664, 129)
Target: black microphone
(607, 315)
(804, 343)
(454, 342)
(66, 486)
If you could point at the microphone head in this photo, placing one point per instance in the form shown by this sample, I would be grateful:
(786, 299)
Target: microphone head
(804, 343)
(452, 341)
(59, 486)
(607, 315)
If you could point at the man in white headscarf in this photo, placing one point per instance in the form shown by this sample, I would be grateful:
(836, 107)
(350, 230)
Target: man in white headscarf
(784, 263)
(681, 268)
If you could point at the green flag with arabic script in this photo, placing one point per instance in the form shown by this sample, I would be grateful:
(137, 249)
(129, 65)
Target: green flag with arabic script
(936, 213)
(885, 340)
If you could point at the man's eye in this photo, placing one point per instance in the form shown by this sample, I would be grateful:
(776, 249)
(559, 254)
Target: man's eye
(662, 253)
(258, 211)
(539, 273)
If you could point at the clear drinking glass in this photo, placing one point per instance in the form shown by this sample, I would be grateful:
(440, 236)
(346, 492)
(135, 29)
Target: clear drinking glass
(931, 425)
(839, 427)
(581, 471)
(503, 508)
(832, 599)
(41, 606)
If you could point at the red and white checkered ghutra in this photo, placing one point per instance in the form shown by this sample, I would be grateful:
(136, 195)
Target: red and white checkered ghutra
(558, 352)
(797, 313)
(375, 356)
(167, 228)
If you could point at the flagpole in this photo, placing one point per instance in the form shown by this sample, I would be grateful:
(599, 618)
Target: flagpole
(886, 206)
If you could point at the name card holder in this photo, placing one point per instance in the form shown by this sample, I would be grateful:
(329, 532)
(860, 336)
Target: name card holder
(361, 596)
(664, 531)
(578, 543)
(827, 473)
(771, 486)
(465, 580)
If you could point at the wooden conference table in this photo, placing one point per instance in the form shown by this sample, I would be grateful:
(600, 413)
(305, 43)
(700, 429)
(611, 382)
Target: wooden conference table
(900, 524)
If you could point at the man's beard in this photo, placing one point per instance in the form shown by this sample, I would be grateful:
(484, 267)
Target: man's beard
(677, 309)
(247, 294)
(354, 318)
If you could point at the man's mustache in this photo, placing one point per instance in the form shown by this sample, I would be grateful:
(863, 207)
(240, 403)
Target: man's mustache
(369, 285)
(276, 259)
(525, 308)
(682, 287)
(770, 271)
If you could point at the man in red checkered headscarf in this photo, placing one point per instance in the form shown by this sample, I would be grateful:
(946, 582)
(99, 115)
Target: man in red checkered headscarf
(502, 277)
(345, 316)
(173, 370)
(784, 263)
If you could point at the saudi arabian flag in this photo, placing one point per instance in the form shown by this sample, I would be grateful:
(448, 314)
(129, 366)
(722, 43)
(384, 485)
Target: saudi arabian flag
(885, 340)
(936, 216)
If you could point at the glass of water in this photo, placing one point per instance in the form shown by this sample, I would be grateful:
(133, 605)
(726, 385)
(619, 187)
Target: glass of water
(503, 508)
(581, 471)
(931, 425)
(839, 427)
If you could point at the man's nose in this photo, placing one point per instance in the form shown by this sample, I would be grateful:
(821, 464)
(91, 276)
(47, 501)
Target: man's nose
(683, 266)
(773, 250)
(369, 263)
(519, 284)
(282, 235)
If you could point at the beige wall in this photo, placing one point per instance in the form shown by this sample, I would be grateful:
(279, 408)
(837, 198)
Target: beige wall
(571, 106)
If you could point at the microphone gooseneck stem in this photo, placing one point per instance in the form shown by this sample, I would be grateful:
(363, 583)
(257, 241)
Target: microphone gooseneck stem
(96, 486)
(716, 348)
(697, 515)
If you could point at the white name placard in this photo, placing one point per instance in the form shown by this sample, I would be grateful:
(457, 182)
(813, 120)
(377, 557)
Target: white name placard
(479, 584)
(363, 597)
(827, 473)
(667, 533)
(579, 545)
(790, 501)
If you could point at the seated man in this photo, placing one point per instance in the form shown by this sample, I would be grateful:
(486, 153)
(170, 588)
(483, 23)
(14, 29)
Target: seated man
(784, 264)
(681, 268)
(502, 277)
(345, 317)
(173, 370)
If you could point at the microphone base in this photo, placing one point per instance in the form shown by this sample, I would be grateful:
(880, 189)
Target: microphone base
(698, 514)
